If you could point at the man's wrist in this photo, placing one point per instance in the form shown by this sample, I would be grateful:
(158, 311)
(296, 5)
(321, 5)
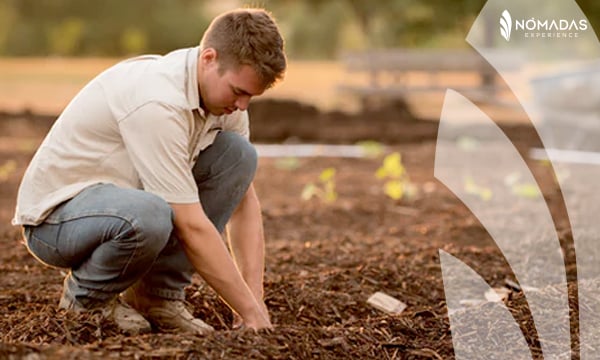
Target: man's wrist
(257, 290)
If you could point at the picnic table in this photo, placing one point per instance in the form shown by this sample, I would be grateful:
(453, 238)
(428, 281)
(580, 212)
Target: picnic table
(389, 73)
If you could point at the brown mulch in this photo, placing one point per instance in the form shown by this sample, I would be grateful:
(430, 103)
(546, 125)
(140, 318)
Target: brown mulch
(323, 262)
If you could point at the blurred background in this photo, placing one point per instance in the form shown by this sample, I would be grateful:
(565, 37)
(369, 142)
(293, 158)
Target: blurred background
(50, 48)
(314, 29)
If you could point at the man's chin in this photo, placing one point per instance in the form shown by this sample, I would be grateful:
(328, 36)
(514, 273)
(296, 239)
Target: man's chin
(220, 111)
(214, 112)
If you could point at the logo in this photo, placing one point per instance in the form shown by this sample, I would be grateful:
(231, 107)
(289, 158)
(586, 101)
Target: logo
(541, 28)
(505, 25)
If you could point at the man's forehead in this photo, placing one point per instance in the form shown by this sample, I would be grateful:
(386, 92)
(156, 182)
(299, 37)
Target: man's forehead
(246, 80)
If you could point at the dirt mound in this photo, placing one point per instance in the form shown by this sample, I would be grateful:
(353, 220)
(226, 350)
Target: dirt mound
(280, 120)
(277, 121)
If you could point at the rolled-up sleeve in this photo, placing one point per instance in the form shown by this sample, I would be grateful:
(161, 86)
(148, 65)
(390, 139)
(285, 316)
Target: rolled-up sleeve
(157, 139)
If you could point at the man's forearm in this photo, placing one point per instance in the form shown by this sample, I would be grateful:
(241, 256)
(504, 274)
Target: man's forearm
(246, 239)
(209, 256)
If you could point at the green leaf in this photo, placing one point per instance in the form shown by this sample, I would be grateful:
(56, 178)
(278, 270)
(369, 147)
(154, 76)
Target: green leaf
(529, 191)
(392, 167)
(287, 163)
(7, 169)
(371, 148)
(330, 196)
(394, 189)
(309, 191)
(483, 193)
(327, 175)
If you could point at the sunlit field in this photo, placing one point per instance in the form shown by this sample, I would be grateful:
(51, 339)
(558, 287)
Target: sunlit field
(45, 85)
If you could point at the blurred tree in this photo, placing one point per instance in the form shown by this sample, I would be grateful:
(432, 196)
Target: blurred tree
(317, 38)
(7, 19)
(107, 27)
(313, 28)
(66, 37)
(133, 41)
(591, 8)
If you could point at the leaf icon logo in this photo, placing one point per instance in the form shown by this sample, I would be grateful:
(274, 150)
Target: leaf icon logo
(505, 25)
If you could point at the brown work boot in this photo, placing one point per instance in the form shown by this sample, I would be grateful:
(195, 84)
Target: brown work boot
(165, 314)
(124, 316)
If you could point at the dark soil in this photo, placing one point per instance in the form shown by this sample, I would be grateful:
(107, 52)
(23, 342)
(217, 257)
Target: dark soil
(323, 259)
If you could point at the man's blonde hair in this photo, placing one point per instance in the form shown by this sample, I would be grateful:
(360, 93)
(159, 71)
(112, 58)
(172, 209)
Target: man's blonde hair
(247, 37)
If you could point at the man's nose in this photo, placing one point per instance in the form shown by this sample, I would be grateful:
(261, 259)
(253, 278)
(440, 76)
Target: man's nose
(242, 102)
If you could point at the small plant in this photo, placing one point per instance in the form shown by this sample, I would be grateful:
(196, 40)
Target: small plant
(559, 173)
(371, 148)
(521, 189)
(482, 192)
(287, 163)
(324, 189)
(7, 169)
(398, 184)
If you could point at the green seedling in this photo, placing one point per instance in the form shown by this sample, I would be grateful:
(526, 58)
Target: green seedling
(521, 189)
(371, 148)
(287, 163)
(324, 189)
(559, 173)
(7, 169)
(397, 183)
(482, 192)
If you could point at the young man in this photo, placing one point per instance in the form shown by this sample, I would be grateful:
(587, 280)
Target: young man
(138, 177)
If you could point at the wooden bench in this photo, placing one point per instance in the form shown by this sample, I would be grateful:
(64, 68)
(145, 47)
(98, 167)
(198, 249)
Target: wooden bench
(389, 74)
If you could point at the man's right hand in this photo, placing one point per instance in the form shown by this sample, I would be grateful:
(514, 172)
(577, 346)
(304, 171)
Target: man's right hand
(208, 254)
(239, 322)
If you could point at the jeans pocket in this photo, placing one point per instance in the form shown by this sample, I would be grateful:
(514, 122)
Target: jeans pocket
(43, 247)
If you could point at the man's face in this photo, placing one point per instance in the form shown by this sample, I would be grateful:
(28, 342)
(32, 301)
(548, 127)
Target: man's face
(224, 92)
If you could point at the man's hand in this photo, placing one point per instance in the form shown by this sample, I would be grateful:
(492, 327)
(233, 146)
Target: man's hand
(238, 322)
(246, 241)
(208, 254)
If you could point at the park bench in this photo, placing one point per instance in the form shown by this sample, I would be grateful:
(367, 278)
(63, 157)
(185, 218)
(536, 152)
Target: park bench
(395, 74)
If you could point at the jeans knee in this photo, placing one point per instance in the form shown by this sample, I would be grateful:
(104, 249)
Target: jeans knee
(154, 221)
(242, 154)
(231, 156)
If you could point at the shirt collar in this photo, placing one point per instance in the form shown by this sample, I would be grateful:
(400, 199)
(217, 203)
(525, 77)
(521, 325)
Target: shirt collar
(192, 93)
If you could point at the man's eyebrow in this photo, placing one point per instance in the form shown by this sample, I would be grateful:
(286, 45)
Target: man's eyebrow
(239, 90)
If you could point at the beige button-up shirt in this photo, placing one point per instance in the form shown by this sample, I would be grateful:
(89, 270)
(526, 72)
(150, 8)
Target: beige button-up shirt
(136, 125)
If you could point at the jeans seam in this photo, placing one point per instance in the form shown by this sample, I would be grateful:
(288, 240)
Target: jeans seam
(39, 242)
(130, 222)
(91, 213)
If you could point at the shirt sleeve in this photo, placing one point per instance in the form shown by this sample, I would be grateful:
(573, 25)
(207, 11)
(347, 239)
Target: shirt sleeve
(157, 139)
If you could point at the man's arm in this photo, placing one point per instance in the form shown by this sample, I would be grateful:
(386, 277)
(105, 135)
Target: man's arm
(209, 256)
(246, 239)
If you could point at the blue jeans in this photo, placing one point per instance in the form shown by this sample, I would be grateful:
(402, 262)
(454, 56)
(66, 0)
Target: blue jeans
(112, 237)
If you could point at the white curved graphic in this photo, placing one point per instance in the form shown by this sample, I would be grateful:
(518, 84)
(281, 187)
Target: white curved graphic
(520, 224)
(563, 64)
(470, 344)
(505, 25)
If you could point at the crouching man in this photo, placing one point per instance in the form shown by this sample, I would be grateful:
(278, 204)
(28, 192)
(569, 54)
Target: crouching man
(137, 179)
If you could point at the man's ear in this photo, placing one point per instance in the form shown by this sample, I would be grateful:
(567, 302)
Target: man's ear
(208, 56)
